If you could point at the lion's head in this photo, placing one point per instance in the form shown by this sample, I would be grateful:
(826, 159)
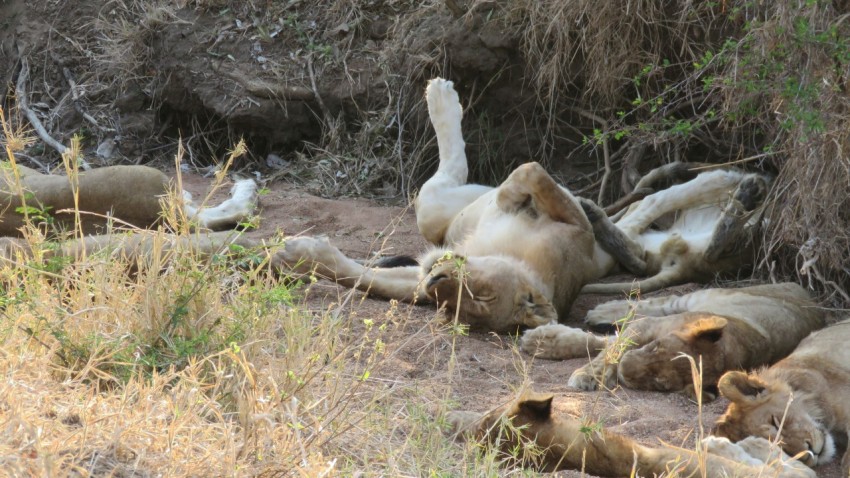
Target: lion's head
(514, 427)
(761, 407)
(494, 292)
(660, 365)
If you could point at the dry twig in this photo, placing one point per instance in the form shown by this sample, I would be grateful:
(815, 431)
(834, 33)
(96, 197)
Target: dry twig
(325, 111)
(23, 104)
(75, 95)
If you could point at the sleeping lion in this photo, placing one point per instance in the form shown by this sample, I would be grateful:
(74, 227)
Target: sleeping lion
(802, 401)
(528, 432)
(730, 329)
(517, 255)
(119, 195)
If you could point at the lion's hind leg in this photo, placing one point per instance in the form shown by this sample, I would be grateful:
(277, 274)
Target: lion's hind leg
(237, 209)
(446, 113)
(706, 189)
(734, 231)
(445, 194)
(620, 311)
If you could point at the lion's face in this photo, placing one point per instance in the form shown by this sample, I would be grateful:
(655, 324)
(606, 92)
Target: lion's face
(489, 291)
(515, 426)
(655, 366)
(757, 408)
(659, 365)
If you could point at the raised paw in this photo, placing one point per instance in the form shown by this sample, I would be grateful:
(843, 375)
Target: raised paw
(528, 174)
(752, 191)
(443, 102)
(516, 192)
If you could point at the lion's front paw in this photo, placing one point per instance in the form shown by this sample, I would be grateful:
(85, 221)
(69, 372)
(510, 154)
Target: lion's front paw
(589, 379)
(557, 342)
(443, 102)
(609, 313)
(302, 253)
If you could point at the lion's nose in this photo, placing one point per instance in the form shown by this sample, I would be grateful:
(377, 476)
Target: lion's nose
(435, 279)
(814, 446)
(813, 450)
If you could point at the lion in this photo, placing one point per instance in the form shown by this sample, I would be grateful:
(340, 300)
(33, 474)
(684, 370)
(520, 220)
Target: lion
(730, 329)
(517, 255)
(800, 401)
(528, 432)
(119, 195)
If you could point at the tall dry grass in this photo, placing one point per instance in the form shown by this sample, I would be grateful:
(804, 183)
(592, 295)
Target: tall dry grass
(181, 364)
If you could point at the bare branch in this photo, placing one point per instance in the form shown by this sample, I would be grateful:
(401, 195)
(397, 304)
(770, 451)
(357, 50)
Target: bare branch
(23, 104)
(603, 185)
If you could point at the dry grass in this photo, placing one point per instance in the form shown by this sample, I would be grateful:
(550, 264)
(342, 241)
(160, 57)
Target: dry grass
(199, 366)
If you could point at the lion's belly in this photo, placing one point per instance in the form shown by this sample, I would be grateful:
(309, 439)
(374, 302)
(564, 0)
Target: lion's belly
(555, 250)
(696, 227)
(469, 219)
(506, 234)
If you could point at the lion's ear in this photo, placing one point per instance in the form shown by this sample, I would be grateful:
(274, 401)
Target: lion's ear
(726, 427)
(741, 388)
(536, 405)
(707, 330)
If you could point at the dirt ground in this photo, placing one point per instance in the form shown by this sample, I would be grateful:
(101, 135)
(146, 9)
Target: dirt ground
(489, 367)
(347, 82)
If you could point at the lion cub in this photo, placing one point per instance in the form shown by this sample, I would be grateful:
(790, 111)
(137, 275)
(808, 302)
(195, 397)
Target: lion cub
(802, 399)
(730, 329)
(563, 443)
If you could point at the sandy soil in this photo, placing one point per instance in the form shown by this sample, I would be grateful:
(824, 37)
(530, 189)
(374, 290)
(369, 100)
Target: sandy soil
(488, 366)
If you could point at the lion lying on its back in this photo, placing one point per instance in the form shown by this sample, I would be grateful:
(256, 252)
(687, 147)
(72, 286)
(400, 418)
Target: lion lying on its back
(731, 329)
(564, 443)
(804, 399)
(518, 255)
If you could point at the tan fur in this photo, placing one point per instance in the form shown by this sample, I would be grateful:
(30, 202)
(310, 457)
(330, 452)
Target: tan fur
(729, 329)
(518, 255)
(712, 230)
(802, 400)
(566, 443)
(125, 194)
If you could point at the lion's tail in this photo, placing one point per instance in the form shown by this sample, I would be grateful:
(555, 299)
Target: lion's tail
(388, 262)
(666, 277)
